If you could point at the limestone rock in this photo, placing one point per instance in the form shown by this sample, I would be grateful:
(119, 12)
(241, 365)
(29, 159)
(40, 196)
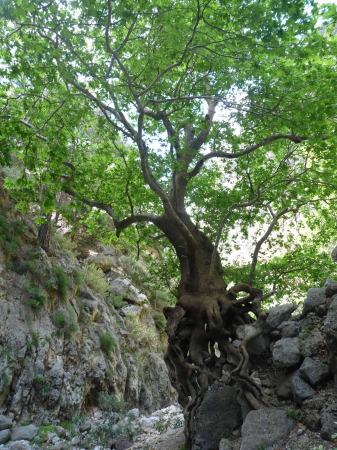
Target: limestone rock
(102, 261)
(19, 445)
(315, 297)
(213, 421)
(256, 346)
(334, 254)
(278, 315)
(286, 352)
(26, 433)
(311, 344)
(289, 329)
(301, 389)
(123, 287)
(267, 427)
(5, 422)
(284, 386)
(224, 444)
(330, 325)
(329, 421)
(330, 287)
(5, 436)
(313, 371)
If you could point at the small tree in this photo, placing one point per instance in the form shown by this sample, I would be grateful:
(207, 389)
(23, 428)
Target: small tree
(195, 117)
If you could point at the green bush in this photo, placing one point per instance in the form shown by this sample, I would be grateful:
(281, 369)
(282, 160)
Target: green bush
(60, 318)
(78, 278)
(38, 297)
(96, 280)
(160, 321)
(62, 283)
(10, 234)
(107, 342)
(117, 300)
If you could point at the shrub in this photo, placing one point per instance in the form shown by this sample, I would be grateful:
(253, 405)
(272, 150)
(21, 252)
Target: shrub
(39, 378)
(160, 321)
(38, 297)
(62, 282)
(96, 280)
(78, 278)
(107, 342)
(110, 404)
(68, 247)
(117, 300)
(60, 318)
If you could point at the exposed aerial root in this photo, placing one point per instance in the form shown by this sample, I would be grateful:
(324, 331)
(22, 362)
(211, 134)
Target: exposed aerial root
(200, 332)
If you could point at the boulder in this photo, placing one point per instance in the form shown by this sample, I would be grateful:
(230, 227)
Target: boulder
(286, 352)
(301, 389)
(330, 288)
(311, 412)
(19, 445)
(213, 420)
(5, 422)
(315, 297)
(278, 315)
(258, 345)
(313, 371)
(123, 287)
(289, 329)
(310, 344)
(225, 444)
(102, 261)
(265, 428)
(329, 421)
(334, 254)
(26, 433)
(284, 387)
(5, 436)
(330, 325)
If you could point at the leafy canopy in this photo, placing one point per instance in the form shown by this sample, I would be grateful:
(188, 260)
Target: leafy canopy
(113, 101)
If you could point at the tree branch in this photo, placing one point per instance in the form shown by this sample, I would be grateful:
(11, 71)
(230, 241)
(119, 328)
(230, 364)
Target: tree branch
(292, 137)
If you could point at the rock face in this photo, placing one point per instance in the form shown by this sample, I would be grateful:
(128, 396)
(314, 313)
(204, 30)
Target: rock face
(213, 420)
(265, 427)
(53, 357)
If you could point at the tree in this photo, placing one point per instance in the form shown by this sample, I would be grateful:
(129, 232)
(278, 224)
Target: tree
(193, 117)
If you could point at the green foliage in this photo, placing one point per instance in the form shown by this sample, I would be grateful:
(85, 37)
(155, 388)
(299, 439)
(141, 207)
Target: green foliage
(66, 322)
(117, 300)
(273, 135)
(62, 283)
(39, 378)
(67, 246)
(108, 343)
(95, 279)
(160, 321)
(164, 424)
(78, 278)
(44, 430)
(60, 318)
(35, 338)
(293, 415)
(110, 404)
(38, 297)
(145, 336)
(10, 236)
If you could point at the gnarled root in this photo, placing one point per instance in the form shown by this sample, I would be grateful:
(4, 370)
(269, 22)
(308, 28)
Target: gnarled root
(200, 330)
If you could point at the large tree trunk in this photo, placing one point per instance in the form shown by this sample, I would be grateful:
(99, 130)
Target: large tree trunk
(203, 324)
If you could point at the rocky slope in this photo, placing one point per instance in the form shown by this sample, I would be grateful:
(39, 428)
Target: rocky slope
(62, 340)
